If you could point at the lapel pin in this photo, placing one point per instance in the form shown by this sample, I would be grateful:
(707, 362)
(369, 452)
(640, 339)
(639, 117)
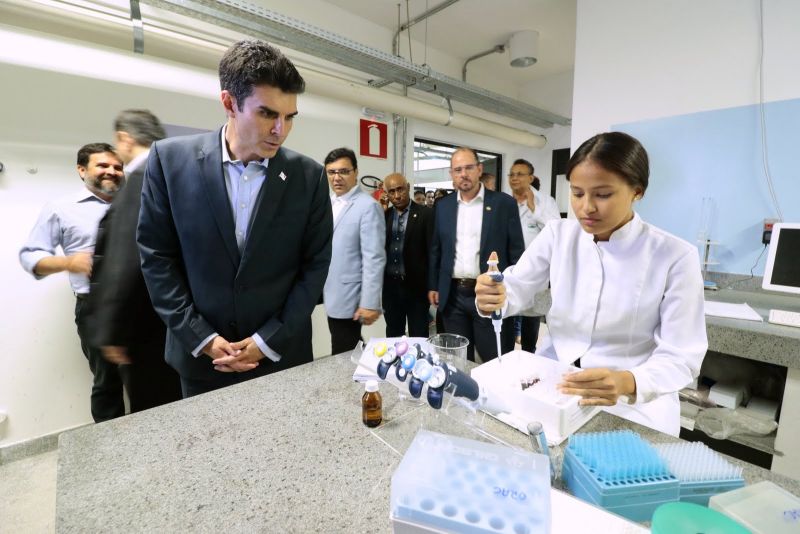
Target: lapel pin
(415, 215)
(283, 176)
(488, 208)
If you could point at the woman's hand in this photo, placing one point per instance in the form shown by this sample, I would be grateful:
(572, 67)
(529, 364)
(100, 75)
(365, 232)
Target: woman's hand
(489, 295)
(599, 386)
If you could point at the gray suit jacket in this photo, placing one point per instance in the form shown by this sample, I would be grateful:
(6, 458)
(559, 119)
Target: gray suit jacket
(199, 281)
(355, 277)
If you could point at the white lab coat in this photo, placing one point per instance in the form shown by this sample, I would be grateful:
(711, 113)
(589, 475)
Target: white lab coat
(547, 203)
(634, 302)
(533, 222)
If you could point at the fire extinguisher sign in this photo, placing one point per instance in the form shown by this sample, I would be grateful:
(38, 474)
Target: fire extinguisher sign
(373, 139)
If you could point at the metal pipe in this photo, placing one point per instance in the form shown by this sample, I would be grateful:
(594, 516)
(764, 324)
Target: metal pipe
(418, 18)
(499, 49)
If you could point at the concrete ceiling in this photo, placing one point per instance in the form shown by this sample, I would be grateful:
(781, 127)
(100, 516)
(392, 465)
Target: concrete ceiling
(469, 27)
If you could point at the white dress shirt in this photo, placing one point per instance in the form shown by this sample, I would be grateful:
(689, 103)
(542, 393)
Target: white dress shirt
(338, 203)
(137, 162)
(634, 302)
(468, 236)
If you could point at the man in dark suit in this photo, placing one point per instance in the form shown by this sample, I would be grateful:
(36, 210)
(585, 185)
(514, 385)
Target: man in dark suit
(409, 228)
(123, 322)
(469, 226)
(235, 231)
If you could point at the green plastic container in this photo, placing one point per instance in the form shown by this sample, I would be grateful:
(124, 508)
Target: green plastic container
(690, 518)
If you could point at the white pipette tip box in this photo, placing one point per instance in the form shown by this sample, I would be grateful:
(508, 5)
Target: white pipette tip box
(561, 415)
(451, 484)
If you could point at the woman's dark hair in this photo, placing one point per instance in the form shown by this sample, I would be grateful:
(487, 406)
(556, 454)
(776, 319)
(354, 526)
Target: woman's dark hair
(616, 152)
(249, 63)
(339, 153)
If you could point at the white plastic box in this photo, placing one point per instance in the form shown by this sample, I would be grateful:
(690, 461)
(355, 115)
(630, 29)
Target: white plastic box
(764, 508)
(561, 415)
(452, 484)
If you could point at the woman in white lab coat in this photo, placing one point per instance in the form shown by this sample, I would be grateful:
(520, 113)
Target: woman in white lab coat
(627, 296)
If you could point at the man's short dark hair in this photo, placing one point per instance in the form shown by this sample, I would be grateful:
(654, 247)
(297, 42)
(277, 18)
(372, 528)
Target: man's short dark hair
(249, 63)
(86, 152)
(525, 162)
(143, 126)
(339, 153)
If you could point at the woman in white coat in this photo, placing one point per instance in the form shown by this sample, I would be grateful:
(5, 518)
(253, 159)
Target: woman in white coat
(627, 296)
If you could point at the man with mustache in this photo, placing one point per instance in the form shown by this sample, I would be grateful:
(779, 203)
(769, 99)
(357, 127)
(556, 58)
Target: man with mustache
(71, 224)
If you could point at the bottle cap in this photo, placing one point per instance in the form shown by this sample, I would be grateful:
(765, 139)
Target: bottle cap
(372, 385)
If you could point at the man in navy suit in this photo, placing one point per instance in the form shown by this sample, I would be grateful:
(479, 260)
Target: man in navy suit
(235, 231)
(469, 226)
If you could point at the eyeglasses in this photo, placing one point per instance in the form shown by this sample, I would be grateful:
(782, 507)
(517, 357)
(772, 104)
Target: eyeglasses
(341, 172)
(518, 174)
(469, 168)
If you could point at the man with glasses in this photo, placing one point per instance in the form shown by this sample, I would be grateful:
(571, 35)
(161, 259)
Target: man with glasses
(409, 228)
(533, 215)
(469, 226)
(352, 293)
(235, 231)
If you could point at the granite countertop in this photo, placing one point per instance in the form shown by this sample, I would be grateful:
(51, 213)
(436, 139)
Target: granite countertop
(753, 340)
(282, 453)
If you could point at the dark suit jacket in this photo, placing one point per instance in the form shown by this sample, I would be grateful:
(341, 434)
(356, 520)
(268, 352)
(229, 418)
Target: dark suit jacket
(200, 283)
(122, 314)
(416, 246)
(500, 232)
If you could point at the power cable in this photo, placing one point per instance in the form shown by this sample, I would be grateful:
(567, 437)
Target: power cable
(762, 113)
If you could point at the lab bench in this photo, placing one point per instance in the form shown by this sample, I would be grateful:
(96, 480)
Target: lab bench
(282, 453)
(771, 344)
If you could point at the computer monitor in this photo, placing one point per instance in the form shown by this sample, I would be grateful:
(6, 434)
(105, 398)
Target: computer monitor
(783, 263)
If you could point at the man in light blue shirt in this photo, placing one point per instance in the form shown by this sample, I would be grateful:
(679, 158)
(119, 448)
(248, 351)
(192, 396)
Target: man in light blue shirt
(70, 223)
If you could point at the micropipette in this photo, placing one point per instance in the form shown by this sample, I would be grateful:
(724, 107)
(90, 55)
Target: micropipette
(497, 316)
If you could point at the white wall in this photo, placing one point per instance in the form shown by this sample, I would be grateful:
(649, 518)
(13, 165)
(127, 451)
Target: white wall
(643, 59)
(683, 76)
(47, 115)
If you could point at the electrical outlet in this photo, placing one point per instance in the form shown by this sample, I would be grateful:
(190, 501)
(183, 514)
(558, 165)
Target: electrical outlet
(766, 234)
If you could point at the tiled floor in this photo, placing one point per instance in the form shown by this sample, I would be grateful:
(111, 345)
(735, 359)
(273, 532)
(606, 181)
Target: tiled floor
(28, 494)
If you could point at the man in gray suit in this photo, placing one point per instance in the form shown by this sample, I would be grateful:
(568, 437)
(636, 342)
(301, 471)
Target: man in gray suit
(235, 231)
(352, 292)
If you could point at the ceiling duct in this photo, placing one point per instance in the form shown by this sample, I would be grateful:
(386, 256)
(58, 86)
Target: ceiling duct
(263, 23)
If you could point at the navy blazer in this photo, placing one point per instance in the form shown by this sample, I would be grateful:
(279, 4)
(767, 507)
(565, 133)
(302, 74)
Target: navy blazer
(199, 282)
(500, 232)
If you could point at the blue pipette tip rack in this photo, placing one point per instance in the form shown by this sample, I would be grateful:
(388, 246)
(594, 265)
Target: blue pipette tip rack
(620, 472)
(463, 485)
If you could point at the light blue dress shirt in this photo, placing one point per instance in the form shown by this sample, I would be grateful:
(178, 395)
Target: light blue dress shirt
(243, 184)
(70, 223)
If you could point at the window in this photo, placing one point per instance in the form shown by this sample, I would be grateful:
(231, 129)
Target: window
(432, 164)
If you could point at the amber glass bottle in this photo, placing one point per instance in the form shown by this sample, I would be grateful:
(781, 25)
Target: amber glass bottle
(371, 405)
